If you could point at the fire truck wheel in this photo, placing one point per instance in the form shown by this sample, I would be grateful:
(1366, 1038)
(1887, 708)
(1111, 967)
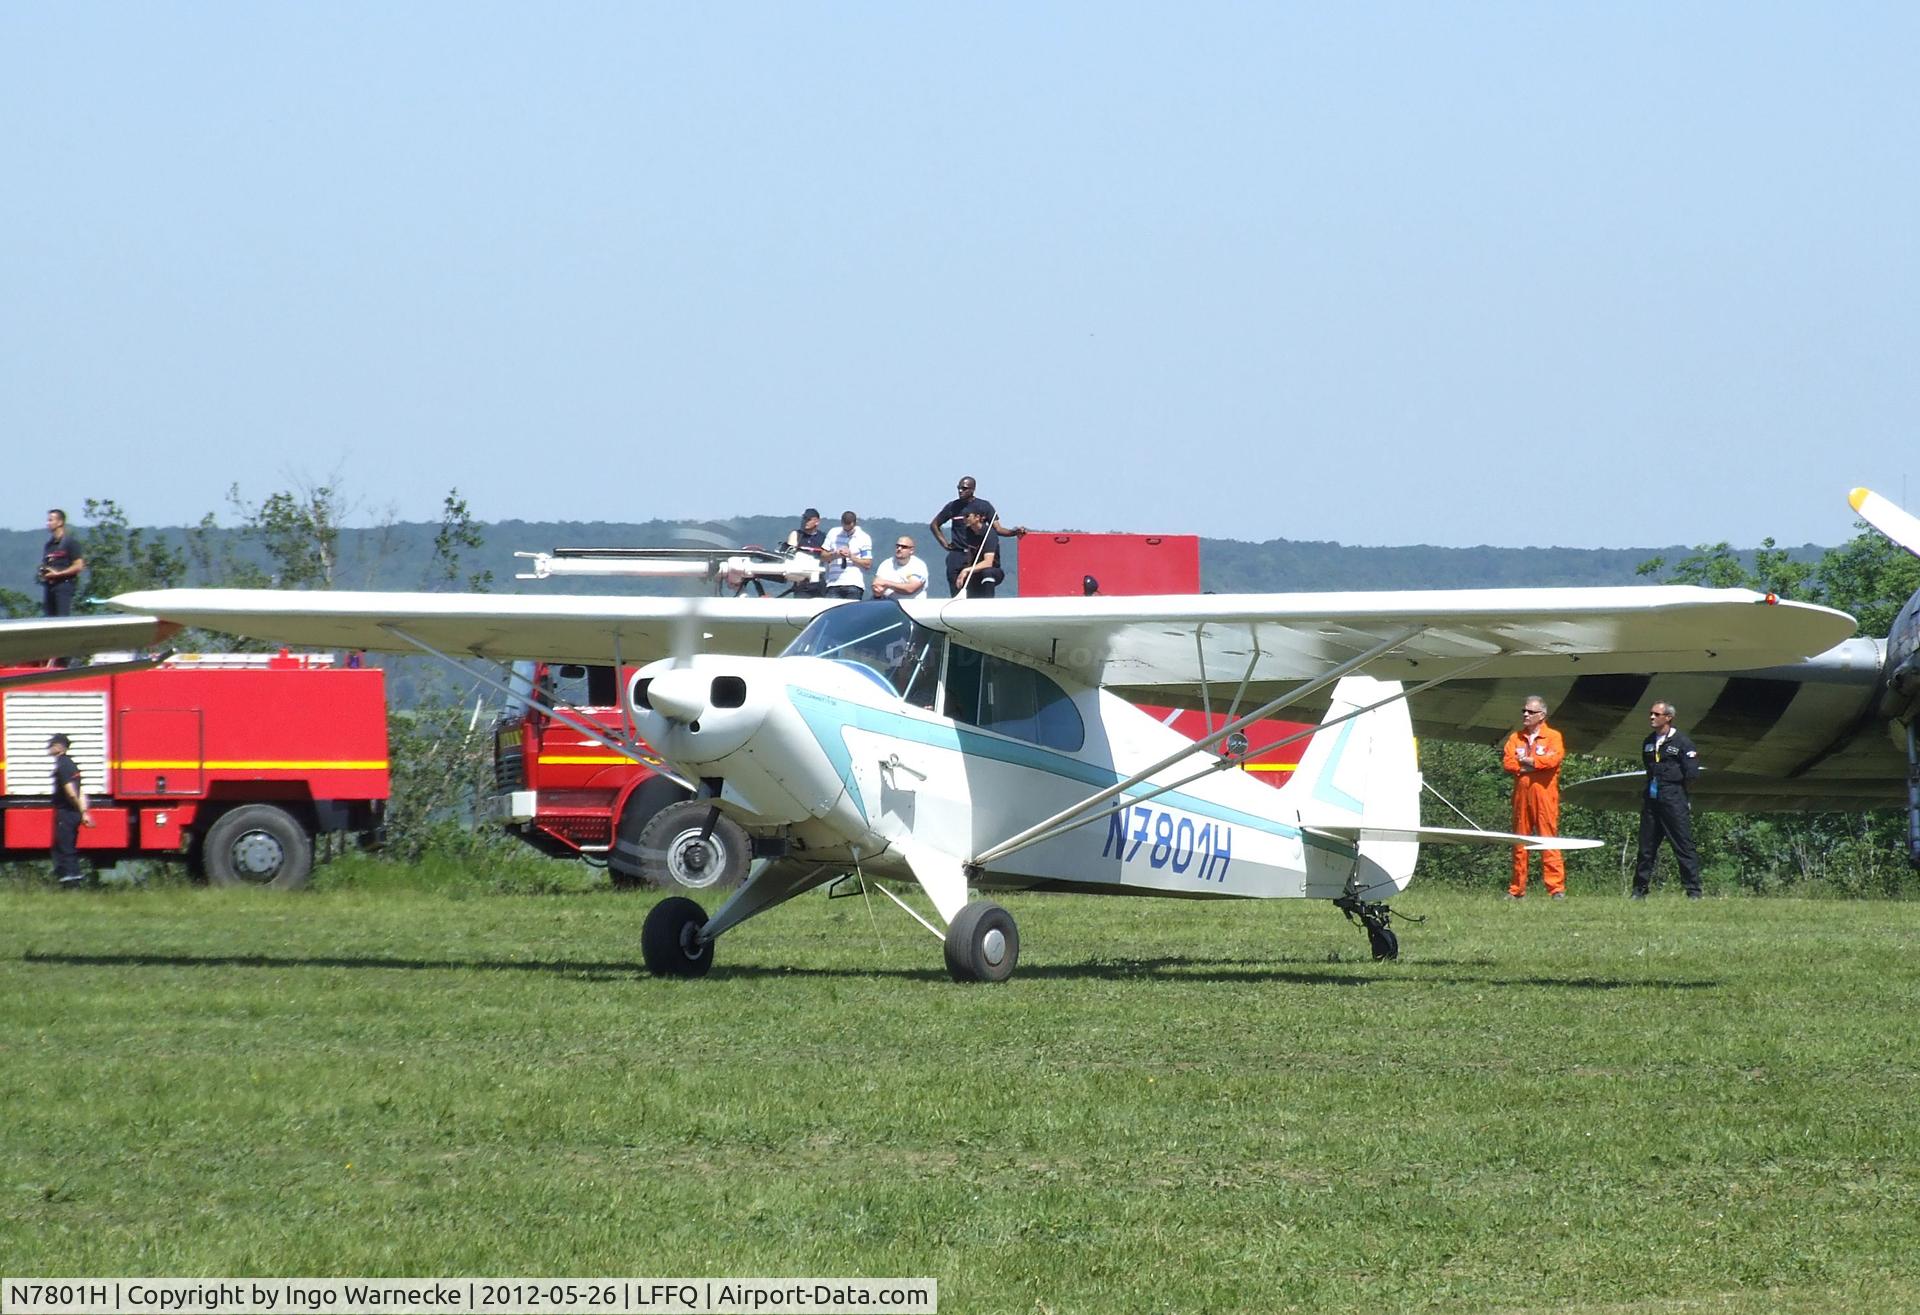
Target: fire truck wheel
(258, 845)
(674, 854)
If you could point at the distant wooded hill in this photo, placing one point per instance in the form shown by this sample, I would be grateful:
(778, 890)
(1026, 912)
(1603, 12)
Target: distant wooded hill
(400, 556)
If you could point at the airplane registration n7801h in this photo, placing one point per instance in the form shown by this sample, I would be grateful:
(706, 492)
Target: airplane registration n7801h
(976, 745)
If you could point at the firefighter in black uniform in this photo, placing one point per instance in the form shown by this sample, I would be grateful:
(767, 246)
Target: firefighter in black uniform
(963, 546)
(70, 813)
(1671, 763)
(61, 562)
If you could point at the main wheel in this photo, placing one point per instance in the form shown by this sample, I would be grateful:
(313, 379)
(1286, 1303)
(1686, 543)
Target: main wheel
(257, 845)
(670, 939)
(1385, 944)
(676, 855)
(983, 943)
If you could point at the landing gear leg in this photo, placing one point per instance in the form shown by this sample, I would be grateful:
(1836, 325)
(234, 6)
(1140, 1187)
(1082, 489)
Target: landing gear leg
(1913, 795)
(1374, 917)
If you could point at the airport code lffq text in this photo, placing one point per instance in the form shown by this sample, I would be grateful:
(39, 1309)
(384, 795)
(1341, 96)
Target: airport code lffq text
(468, 1296)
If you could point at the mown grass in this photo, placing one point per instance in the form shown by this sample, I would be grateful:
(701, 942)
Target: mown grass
(1590, 1105)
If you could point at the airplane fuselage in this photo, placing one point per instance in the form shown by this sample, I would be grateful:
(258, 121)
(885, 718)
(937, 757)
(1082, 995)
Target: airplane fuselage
(901, 744)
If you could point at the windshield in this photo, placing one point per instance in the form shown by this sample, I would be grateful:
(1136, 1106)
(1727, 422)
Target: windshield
(879, 639)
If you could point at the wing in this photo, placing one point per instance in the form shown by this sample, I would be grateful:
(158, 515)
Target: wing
(1773, 721)
(36, 639)
(1164, 649)
(578, 628)
(1720, 792)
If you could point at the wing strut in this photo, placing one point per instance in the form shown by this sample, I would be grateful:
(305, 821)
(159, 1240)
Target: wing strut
(1040, 830)
(552, 709)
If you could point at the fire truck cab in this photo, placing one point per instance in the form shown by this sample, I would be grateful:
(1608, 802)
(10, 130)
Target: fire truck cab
(233, 763)
(566, 791)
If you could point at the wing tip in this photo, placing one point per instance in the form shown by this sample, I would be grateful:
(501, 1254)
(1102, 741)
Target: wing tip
(1857, 499)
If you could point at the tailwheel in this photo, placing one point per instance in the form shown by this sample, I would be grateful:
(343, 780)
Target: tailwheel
(1375, 919)
(670, 939)
(983, 943)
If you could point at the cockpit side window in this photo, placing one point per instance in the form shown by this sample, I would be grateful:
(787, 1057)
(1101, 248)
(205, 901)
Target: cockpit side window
(1014, 700)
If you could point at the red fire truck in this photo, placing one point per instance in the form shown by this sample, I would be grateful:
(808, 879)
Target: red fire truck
(565, 791)
(231, 762)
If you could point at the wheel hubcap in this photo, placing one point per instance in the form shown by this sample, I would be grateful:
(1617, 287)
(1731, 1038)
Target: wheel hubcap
(694, 862)
(257, 856)
(690, 941)
(993, 947)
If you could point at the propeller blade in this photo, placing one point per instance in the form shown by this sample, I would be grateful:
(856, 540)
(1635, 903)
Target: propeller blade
(1888, 518)
(686, 627)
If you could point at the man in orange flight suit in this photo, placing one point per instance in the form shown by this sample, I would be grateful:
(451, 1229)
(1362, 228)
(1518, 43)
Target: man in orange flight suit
(1532, 758)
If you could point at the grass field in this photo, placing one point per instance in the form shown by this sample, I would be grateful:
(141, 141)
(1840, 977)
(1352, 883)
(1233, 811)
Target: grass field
(1585, 1106)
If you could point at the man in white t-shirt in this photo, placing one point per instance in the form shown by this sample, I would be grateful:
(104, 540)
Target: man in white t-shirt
(847, 555)
(902, 575)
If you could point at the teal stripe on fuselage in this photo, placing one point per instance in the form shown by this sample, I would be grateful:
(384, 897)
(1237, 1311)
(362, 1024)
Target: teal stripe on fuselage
(827, 716)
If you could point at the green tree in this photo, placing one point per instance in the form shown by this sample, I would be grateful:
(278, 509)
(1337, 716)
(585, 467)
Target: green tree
(457, 535)
(1718, 566)
(121, 557)
(1871, 577)
(299, 530)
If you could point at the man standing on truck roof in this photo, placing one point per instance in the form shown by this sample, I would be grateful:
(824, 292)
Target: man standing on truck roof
(963, 545)
(61, 562)
(70, 813)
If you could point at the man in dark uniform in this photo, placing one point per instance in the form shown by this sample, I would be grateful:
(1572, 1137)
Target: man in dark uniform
(982, 573)
(70, 813)
(1671, 763)
(808, 541)
(60, 565)
(962, 547)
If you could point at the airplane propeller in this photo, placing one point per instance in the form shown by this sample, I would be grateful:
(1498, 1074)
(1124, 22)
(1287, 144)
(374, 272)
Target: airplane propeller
(1887, 517)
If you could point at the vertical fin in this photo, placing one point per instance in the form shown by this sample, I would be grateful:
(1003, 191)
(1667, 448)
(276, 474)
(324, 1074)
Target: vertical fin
(1362, 772)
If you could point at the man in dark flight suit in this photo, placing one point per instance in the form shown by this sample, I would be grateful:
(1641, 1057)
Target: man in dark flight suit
(1671, 763)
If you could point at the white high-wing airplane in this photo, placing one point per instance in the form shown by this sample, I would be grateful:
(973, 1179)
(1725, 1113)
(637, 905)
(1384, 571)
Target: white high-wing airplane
(973, 743)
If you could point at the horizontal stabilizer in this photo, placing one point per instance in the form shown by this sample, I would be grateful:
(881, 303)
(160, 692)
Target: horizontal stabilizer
(1448, 835)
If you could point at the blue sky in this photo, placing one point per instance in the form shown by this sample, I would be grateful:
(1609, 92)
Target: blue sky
(1615, 275)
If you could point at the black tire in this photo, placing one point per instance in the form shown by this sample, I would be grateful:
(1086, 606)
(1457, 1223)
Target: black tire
(983, 943)
(257, 845)
(669, 939)
(673, 856)
(1385, 944)
(626, 863)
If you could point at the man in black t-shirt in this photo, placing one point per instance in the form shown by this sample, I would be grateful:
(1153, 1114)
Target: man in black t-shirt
(982, 573)
(949, 526)
(70, 813)
(808, 541)
(61, 562)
